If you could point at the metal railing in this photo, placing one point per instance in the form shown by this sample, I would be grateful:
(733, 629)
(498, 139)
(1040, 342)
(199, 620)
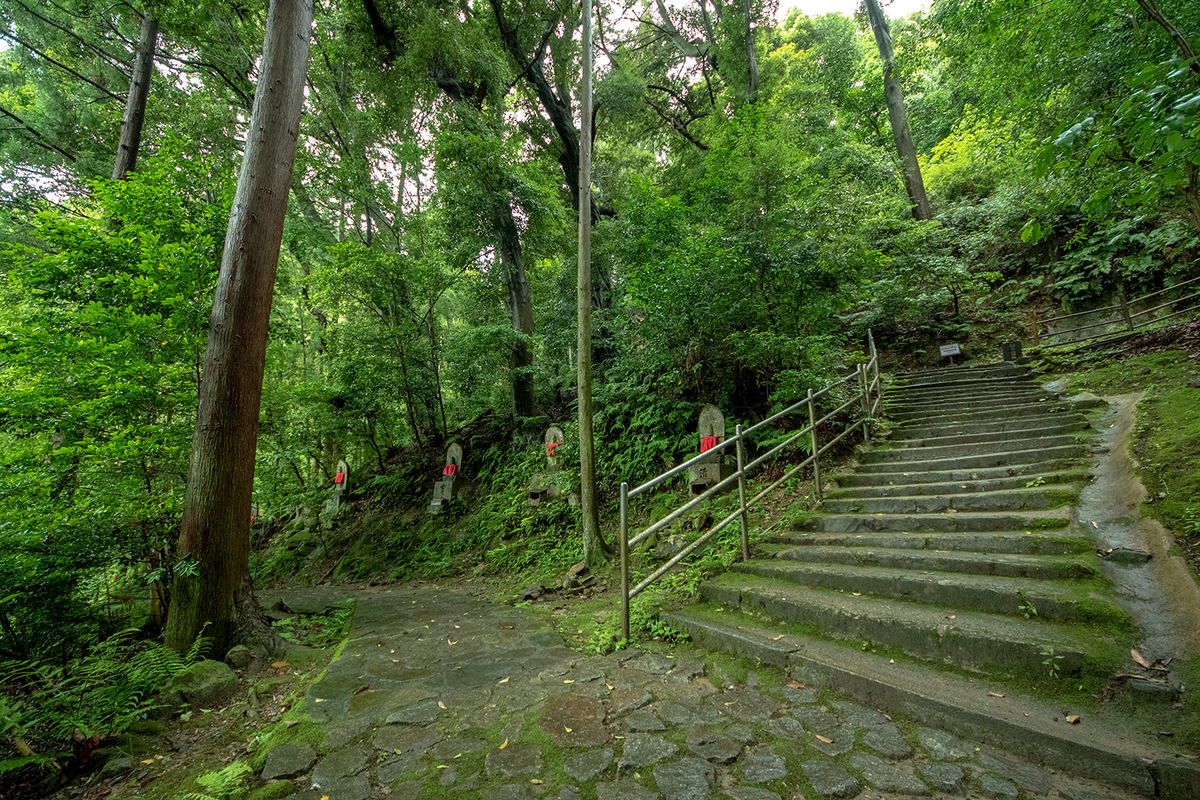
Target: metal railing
(868, 397)
(1040, 328)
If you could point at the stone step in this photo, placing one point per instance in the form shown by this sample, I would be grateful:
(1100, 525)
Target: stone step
(1032, 430)
(967, 404)
(977, 709)
(961, 388)
(1010, 596)
(941, 523)
(1038, 455)
(1009, 565)
(1031, 542)
(1028, 471)
(1057, 477)
(913, 430)
(1021, 499)
(1002, 444)
(935, 416)
(945, 376)
(968, 639)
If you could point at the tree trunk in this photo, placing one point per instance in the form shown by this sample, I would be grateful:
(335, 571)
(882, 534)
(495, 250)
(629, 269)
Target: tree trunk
(894, 95)
(751, 58)
(595, 551)
(520, 303)
(215, 529)
(1185, 49)
(135, 102)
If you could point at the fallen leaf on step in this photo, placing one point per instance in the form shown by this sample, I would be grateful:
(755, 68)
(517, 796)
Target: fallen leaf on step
(1094, 525)
(279, 664)
(504, 680)
(568, 730)
(146, 761)
(776, 638)
(1139, 658)
(450, 642)
(441, 704)
(1072, 718)
(825, 739)
(360, 690)
(535, 781)
(856, 594)
(995, 694)
(952, 616)
(570, 681)
(794, 685)
(319, 700)
(287, 723)
(504, 745)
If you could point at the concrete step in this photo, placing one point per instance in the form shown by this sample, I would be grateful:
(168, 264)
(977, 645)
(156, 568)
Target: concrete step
(1020, 499)
(1031, 542)
(1027, 471)
(1003, 443)
(968, 639)
(1054, 428)
(925, 561)
(941, 523)
(976, 709)
(1058, 477)
(1019, 597)
(1039, 455)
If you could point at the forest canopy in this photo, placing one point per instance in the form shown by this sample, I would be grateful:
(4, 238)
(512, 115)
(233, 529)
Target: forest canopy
(749, 215)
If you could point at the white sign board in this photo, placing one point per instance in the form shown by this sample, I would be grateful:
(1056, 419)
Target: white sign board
(950, 350)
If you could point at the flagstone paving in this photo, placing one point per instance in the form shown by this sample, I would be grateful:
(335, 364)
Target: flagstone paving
(440, 695)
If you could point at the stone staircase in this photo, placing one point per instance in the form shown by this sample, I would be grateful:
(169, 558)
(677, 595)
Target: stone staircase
(947, 566)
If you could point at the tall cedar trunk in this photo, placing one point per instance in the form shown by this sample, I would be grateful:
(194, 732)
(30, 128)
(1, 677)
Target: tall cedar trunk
(751, 58)
(595, 551)
(135, 102)
(520, 302)
(894, 95)
(215, 529)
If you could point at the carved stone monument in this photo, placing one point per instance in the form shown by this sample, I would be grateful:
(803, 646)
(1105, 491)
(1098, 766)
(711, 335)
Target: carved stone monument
(1012, 350)
(712, 470)
(543, 487)
(443, 487)
(333, 505)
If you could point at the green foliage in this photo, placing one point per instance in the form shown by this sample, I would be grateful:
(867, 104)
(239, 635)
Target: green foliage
(100, 694)
(222, 784)
(316, 630)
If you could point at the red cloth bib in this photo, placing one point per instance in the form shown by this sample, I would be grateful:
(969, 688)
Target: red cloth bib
(707, 443)
(449, 469)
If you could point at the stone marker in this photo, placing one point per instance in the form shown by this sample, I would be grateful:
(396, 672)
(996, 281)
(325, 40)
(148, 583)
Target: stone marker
(1012, 350)
(333, 505)
(543, 487)
(711, 470)
(443, 487)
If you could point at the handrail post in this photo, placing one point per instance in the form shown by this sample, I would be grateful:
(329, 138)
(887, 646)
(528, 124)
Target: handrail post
(625, 561)
(812, 430)
(1033, 321)
(865, 387)
(1125, 310)
(742, 496)
(876, 379)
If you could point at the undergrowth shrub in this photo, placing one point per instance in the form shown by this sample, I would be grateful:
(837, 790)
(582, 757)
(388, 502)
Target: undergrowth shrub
(97, 696)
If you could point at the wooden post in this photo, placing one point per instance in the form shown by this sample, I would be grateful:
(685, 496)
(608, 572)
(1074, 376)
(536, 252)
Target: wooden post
(742, 496)
(1125, 310)
(812, 430)
(1035, 333)
(877, 380)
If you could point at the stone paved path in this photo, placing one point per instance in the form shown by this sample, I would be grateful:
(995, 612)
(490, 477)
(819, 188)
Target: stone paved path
(440, 695)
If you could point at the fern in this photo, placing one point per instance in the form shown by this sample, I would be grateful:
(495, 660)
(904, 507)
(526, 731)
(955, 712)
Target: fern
(221, 784)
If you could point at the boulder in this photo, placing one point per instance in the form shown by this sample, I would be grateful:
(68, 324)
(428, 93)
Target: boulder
(239, 657)
(202, 685)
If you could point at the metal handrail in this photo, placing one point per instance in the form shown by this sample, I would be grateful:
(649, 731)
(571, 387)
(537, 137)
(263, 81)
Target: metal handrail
(1126, 318)
(869, 397)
